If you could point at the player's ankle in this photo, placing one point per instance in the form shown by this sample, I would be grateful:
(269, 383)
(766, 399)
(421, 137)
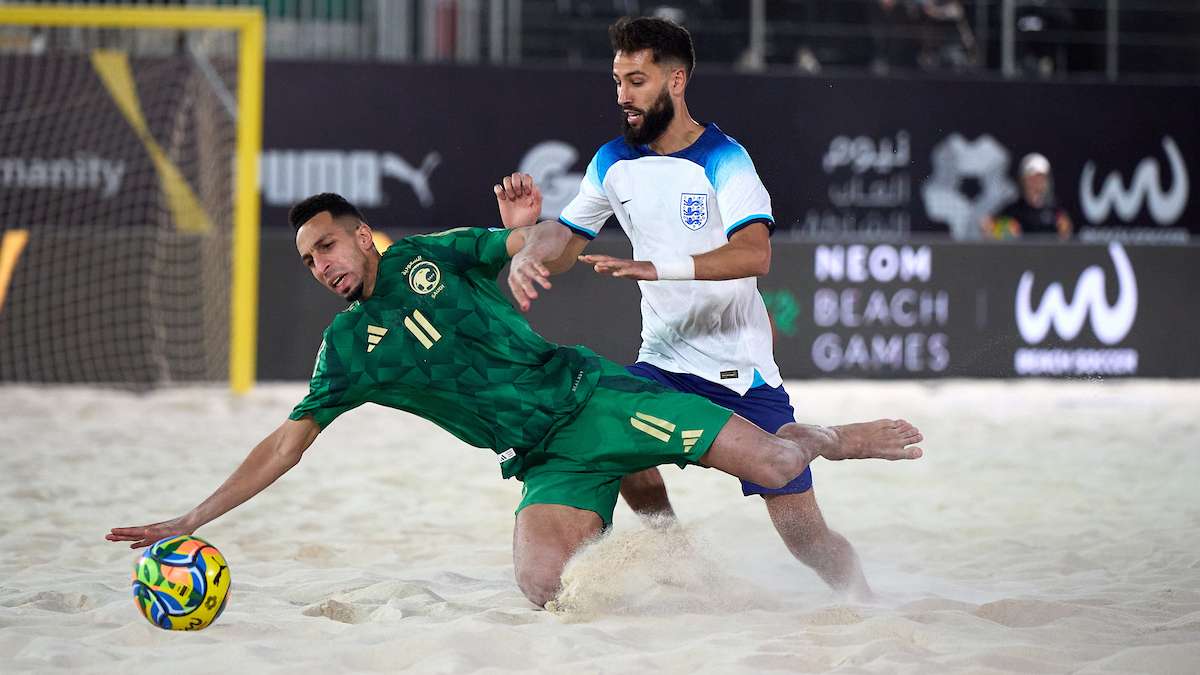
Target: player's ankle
(831, 447)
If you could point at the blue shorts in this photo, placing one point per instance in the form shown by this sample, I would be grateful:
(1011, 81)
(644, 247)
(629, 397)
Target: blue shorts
(767, 407)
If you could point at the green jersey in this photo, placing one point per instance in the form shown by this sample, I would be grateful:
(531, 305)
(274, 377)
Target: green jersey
(438, 339)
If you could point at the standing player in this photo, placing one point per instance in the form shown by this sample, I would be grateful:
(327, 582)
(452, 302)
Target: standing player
(429, 332)
(700, 220)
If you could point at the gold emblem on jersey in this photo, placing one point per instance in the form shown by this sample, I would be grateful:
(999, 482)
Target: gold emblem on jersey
(424, 277)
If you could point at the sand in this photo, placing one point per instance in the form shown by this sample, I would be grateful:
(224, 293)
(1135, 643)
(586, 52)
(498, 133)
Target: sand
(1051, 527)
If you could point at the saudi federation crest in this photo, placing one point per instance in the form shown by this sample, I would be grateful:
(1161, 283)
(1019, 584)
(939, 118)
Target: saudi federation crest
(424, 277)
(693, 210)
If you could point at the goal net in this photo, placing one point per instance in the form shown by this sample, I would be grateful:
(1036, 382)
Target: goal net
(128, 207)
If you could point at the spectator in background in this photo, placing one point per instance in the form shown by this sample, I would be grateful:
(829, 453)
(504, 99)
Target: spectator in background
(1036, 212)
(932, 34)
(1039, 51)
(946, 38)
(890, 22)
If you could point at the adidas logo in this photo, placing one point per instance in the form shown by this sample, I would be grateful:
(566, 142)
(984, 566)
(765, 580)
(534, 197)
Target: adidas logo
(663, 430)
(374, 335)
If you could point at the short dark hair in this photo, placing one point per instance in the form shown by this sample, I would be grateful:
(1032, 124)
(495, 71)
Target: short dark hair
(335, 204)
(666, 39)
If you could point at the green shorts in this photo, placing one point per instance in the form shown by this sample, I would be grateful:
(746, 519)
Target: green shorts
(629, 424)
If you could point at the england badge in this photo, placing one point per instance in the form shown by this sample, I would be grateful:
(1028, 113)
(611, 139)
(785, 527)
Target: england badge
(693, 210)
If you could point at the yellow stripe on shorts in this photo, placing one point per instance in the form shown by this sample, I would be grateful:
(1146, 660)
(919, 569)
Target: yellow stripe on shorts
(657, 433)
(666, 426)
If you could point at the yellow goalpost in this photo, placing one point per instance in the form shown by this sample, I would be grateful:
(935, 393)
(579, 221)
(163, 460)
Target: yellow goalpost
(248, 25)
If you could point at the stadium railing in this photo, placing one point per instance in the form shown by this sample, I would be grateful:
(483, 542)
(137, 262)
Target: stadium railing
(1072, 39)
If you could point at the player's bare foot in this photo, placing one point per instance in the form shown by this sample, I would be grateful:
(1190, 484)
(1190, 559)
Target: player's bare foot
(881, 439)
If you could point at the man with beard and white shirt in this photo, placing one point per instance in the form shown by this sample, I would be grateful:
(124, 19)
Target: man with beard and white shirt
(699, 219)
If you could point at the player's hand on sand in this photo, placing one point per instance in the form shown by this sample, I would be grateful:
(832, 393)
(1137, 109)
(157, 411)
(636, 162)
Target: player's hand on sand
(524, 276)
(148, 534)
(881, 439)
(638, 270)
(519, 200)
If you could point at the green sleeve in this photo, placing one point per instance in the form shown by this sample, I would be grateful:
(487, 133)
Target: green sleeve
(470, 247)
(329, 390)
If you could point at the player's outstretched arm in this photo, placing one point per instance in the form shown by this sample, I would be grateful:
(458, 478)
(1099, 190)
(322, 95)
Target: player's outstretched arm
(270, 459)
(537, 252)
(520, 202)
(748, 254)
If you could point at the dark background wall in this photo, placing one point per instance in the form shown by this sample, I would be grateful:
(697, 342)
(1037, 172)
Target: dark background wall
(421, 145)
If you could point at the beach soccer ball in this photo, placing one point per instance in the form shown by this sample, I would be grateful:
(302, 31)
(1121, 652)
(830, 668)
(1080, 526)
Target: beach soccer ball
(181, 583)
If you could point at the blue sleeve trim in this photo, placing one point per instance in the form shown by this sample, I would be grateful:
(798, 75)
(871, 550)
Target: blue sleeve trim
(577, 229)
(726, 161)
(609, 154)
(593, 174)
(750, 220)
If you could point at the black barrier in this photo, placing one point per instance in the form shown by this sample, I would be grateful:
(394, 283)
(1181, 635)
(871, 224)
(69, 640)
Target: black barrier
(913, 310)
(419, 147)
(945, 310)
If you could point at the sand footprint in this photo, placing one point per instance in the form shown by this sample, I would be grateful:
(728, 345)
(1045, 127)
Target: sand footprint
(381, 601)
(832, 616)
(55, 601)
(508, 618)
(1016, 613)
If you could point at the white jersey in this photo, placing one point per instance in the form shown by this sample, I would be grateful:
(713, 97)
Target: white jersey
(687, 203)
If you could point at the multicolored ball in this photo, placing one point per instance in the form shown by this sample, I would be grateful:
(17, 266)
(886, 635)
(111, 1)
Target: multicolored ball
(181, 583)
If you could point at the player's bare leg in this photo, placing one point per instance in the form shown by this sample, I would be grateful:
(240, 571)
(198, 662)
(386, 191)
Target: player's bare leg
(646, 494)
(544, 539)
(800, 524)
(750, 453)
(746, 451)
(796, 517)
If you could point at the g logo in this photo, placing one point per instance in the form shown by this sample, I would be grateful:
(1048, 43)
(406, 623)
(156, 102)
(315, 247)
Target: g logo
(424, 277)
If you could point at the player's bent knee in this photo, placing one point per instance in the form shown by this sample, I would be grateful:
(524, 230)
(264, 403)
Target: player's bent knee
(545, 537)
(789, 430)
(539, 586)
(786, 464)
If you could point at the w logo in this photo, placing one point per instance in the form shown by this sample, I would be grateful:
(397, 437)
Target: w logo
(1165, 206)
(1110, 323)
